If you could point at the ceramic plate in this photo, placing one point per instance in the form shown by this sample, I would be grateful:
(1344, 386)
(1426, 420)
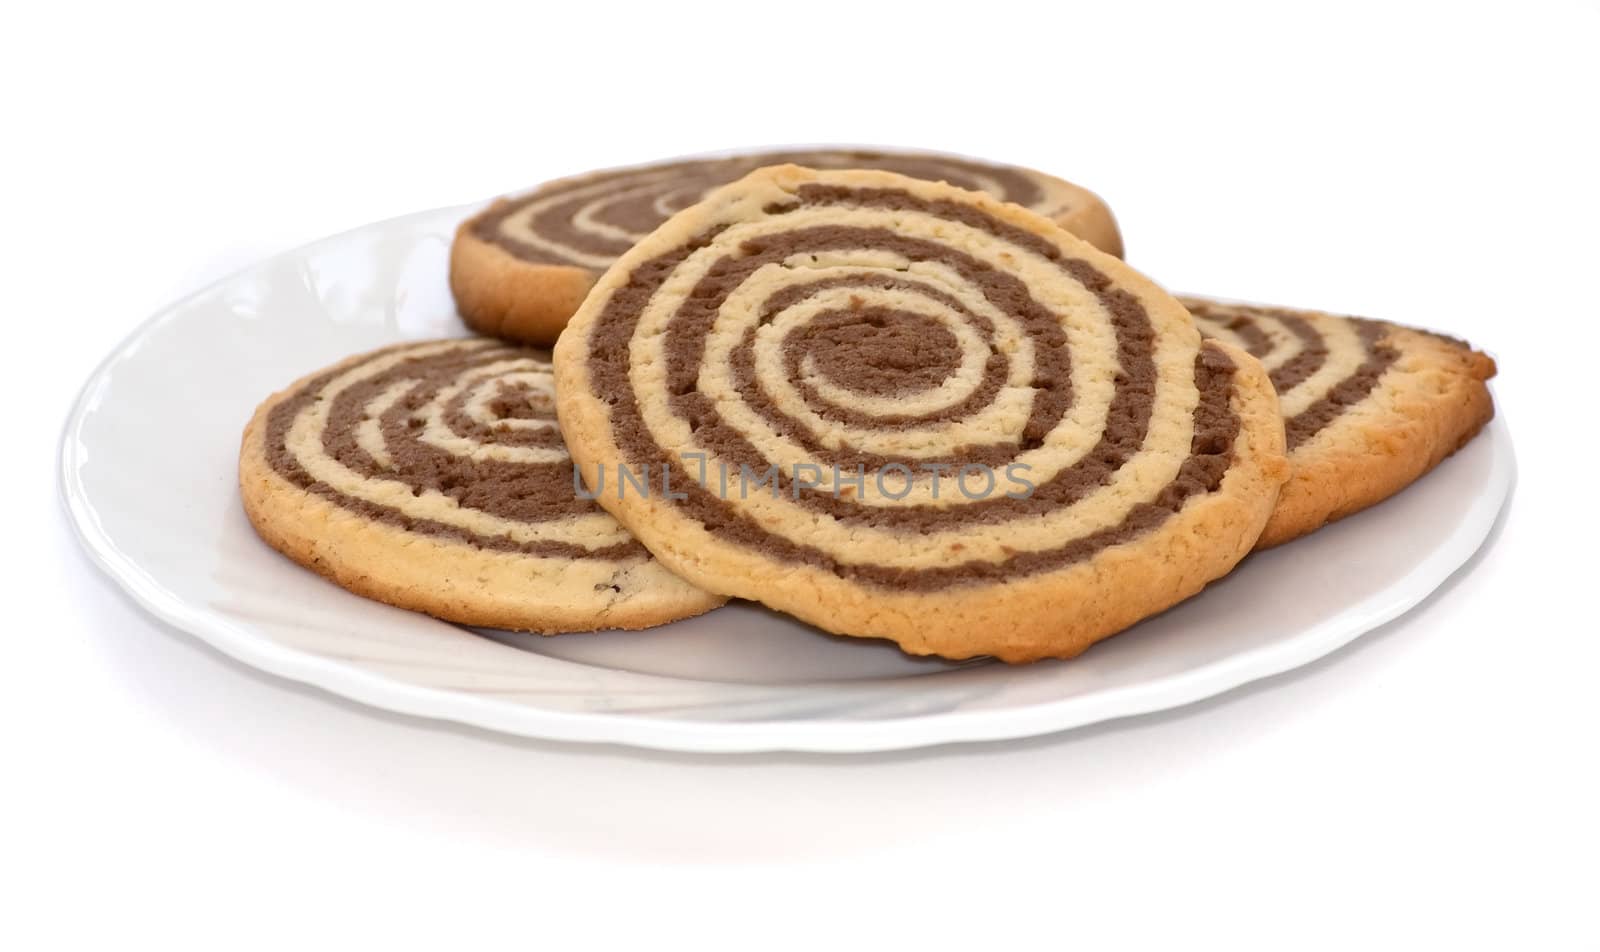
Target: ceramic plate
(148, 469)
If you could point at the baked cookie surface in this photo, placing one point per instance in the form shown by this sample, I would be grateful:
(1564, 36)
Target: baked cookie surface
(1368, 406)
(898, 409)
(432, 476)
(521, 267)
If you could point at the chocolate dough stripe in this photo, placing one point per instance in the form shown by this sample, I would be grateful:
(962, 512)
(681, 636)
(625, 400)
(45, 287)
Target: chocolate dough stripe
(1301, 365)
(855, 354)
(629, 199)
(995, 368)
(1244, 320)
(1313, 353)
(456, 418)
(490, 486)
(744, 375)
(1257, 342)
(686, 340)
(1347, 392)
(865, 340)
(1127, 417)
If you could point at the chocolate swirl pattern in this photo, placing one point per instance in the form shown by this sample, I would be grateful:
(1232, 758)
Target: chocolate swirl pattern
(520, 268)
(433, 476)
(1368, 407)
(982, 435)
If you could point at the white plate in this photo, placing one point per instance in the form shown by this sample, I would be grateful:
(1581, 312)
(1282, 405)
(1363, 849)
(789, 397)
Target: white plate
(148, 468)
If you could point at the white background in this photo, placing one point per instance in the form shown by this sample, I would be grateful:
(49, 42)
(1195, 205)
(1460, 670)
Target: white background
(1433, 786)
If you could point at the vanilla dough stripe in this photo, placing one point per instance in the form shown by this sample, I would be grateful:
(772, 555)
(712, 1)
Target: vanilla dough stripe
(984, 436)
(433, 476)
(522, 266)
(1368, 406)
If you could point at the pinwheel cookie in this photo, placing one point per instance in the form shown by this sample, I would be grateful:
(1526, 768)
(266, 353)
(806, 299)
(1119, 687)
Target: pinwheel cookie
(432, 476)
(521, 267)
(895, 408)
(1368, 406)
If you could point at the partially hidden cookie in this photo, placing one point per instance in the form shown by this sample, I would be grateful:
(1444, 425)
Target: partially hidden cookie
(520, 268)
(1368, 406)
(433, 476)
(894, 408)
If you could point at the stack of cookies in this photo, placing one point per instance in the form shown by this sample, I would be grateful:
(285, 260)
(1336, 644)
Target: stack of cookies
(895, 395)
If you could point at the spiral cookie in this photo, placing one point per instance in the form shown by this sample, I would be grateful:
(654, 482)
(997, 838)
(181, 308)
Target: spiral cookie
(1368, 407)
(898, 409)
(432, 476)
(521, 267)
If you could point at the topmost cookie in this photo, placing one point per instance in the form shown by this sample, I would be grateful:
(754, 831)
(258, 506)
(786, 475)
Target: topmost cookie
(895, 408)
(520, 268)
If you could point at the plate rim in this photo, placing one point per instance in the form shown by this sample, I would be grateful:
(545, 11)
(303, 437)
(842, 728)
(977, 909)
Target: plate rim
(373, 689)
